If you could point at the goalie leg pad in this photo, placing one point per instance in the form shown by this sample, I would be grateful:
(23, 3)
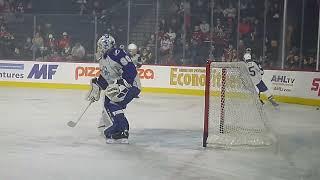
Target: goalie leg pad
(120, 122)
(94, 93)
(120, 125)
(105, 121)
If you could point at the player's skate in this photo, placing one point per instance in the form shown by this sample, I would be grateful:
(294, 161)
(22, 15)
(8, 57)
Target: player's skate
(272, 101)
(119, 138)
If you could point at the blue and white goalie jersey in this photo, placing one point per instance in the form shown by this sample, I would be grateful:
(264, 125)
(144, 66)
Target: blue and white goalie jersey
(116, 64)
(255, 71)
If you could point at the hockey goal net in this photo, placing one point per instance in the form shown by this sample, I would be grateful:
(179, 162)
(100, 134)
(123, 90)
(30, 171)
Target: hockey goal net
(233, 112)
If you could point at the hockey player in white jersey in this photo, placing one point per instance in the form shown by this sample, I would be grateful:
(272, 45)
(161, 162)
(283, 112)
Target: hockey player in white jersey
(119, 82)
(256, 72)
(135, 55)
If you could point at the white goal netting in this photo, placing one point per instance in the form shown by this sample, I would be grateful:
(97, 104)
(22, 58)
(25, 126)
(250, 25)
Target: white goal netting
(233, 112)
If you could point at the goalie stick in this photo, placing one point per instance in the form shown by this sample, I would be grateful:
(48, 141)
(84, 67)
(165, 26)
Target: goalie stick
(72, 123)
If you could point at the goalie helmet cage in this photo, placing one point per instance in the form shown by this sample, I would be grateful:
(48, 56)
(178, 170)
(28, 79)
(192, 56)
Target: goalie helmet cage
(233, 115)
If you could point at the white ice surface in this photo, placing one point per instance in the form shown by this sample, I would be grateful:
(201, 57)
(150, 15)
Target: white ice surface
(165, 141)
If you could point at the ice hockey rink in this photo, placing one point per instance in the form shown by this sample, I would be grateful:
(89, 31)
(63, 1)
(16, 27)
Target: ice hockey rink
(165, 141)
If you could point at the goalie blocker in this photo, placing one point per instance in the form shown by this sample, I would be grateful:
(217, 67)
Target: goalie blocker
(233, 113)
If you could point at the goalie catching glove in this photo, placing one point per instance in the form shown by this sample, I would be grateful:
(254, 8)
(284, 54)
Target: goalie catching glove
(94, 93)
(117, 91)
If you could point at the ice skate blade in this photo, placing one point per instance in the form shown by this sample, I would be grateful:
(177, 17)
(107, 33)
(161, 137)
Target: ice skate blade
(117, 141)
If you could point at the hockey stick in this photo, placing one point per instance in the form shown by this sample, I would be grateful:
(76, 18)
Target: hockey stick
(72, 123)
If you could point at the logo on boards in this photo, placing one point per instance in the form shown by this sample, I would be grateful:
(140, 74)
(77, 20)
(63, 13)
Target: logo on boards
(43, 71)
(11, 71)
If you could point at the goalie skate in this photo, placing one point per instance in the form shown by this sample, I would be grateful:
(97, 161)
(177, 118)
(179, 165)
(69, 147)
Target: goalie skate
(119, 138)
(117, 141)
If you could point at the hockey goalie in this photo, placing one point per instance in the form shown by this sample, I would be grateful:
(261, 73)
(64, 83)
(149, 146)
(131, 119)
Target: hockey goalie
(119, 83)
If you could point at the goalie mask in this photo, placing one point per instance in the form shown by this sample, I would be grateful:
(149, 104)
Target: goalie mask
(133, 49)
(105, 43)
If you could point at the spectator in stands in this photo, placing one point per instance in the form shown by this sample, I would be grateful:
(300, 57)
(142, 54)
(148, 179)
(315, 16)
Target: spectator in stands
(218, 26)
(197, 35)
(27, 47)
(290, 61)
(4, 33)
(296, 59)
(163, 26)
(37, 44)
(64, 44)
(20, 8)
(78, 52)
(146, 56)
(67, 51)
(172, 35)
(165, 45)
(234, 56)
(51, 44)
(166, 49)
(228, 54)
(205, 29)
(6, 42)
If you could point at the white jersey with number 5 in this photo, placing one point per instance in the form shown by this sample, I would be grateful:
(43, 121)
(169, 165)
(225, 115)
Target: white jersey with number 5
(255, 71)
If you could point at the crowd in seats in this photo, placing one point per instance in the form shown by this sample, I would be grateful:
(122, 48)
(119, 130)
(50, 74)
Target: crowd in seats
(15, 6)
(46, 43)
(6, 42)
(186, 35)
(61, 48)
(294, 61)
(188, 27)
